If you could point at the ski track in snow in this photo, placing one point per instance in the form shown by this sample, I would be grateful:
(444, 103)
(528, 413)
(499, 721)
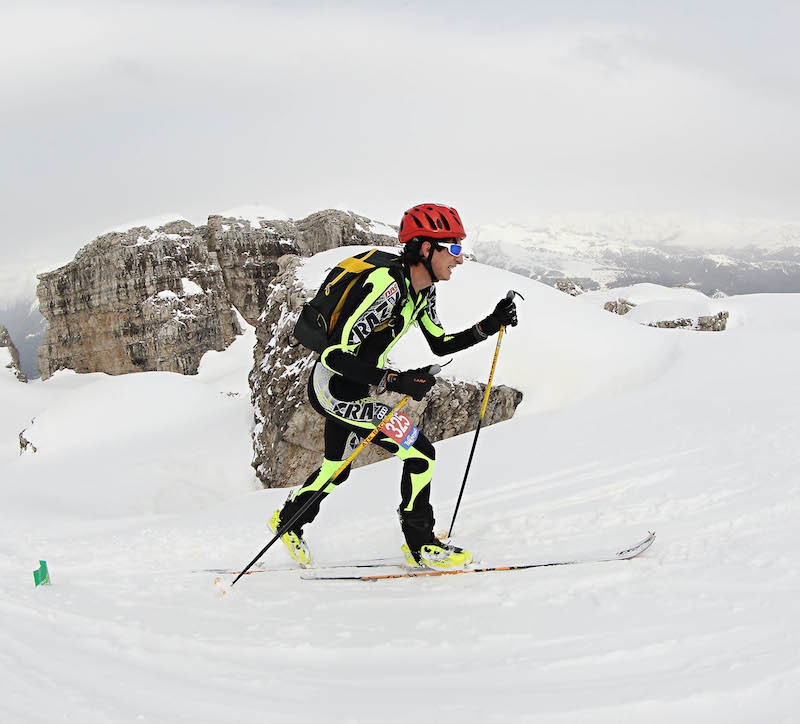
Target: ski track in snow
(698, 443)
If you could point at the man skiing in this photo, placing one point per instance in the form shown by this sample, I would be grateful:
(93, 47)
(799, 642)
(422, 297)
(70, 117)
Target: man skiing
(378, 311)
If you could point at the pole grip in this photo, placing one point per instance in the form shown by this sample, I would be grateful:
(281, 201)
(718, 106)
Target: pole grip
(491, 374)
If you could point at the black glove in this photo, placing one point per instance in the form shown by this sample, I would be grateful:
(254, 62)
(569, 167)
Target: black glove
(416, 383)
(504, 315)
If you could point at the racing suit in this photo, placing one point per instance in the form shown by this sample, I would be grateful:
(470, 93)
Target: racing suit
(379, 310)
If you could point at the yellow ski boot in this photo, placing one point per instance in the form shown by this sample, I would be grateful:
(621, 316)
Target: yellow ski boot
(297, 547)
(438, 555)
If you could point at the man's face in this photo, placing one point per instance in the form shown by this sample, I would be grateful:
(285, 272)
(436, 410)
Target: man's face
(443, 262)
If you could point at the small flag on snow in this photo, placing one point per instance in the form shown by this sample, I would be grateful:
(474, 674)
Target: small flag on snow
(41, 576)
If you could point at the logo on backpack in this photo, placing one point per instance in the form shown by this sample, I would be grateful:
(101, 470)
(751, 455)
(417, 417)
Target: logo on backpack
(376, 315)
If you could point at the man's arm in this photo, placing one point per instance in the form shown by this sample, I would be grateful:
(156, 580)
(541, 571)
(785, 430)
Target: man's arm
(439, 341)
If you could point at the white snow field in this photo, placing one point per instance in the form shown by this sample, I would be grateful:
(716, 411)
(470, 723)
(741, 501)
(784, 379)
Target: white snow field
(139, 480)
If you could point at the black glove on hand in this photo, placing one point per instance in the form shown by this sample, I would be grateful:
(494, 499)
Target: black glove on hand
(504, 315)
(416, 383)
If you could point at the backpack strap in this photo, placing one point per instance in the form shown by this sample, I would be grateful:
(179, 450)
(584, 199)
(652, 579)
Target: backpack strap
(359, 267)
(399, 275)
(340, 304)
(353, 265)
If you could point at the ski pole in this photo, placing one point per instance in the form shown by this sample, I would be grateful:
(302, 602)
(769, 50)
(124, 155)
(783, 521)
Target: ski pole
(510, 295)
(434, 369)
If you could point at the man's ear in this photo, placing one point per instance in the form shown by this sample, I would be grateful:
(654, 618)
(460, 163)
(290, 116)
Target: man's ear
(425, 250)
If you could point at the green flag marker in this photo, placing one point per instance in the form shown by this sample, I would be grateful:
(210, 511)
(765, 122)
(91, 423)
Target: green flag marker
(42, 575)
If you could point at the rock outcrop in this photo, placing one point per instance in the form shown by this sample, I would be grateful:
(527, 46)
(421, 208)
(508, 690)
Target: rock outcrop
(569, 286)
(26, 447)
(248, 258)
(12, 363)
(619, 306)
(159, 299)
(287, 438)
(707, 323)
(248, 255)
(136, 301)
(713, 322)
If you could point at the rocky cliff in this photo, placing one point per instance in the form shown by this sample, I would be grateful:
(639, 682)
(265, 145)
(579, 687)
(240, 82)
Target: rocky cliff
(248, 255)
(134, 301)
(158, 299)
(287, 438)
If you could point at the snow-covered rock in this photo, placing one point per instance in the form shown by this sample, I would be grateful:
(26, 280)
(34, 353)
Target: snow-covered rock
(9, 356)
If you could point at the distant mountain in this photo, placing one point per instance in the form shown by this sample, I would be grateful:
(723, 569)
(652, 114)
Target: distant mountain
(713, 258)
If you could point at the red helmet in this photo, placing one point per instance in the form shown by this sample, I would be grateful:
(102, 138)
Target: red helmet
(433, 221)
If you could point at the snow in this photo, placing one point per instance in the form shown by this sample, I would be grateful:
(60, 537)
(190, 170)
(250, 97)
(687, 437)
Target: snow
(374, 227)
(254, 213)
(655, 303)
(190, 288)
(151, 222)
(378, 227)
(140, 479)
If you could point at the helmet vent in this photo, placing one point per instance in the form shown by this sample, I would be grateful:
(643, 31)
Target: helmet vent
(433, 220)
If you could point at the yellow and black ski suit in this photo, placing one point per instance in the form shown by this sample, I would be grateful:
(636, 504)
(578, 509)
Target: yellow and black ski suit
(379, 310)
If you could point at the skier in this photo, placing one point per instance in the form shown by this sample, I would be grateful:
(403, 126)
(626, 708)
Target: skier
(377, 312)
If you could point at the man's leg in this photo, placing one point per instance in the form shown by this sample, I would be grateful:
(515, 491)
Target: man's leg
(339, 444)
(416, 513)
(349, 418)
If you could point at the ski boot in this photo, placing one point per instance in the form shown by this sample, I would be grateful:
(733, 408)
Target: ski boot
(422, 548)
(436, 554)
(293, 540)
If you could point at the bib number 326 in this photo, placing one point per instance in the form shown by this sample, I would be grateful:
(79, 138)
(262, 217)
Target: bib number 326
(401, 430)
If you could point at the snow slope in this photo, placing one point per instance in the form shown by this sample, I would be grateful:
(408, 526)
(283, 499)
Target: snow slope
(141, 479)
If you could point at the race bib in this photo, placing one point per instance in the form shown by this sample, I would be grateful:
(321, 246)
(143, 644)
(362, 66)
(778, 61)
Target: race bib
(401, 430)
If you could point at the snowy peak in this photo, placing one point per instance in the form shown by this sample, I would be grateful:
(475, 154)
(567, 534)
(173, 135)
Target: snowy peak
(735, 259)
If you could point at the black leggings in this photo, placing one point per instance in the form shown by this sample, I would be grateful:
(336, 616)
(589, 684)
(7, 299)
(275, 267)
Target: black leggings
(347, 422)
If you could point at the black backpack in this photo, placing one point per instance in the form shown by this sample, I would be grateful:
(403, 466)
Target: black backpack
(319, 317)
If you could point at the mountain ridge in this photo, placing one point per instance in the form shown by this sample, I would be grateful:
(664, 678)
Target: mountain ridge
(750, 259)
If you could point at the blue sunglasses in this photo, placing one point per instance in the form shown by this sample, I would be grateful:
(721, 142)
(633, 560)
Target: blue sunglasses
(454, 249)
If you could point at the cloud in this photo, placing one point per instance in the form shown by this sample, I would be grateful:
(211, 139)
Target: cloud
(125, 110)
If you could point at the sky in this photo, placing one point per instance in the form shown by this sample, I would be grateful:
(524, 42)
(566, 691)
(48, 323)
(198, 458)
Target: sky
(117, 111)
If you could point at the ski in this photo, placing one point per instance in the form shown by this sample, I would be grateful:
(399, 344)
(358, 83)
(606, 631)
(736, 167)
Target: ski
(622, 555)
(387, 562)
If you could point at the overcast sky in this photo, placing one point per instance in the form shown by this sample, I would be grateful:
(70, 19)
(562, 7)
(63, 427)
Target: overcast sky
(116, 111)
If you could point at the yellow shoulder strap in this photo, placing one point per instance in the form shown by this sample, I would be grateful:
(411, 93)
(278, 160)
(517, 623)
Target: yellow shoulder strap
(353, 265)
